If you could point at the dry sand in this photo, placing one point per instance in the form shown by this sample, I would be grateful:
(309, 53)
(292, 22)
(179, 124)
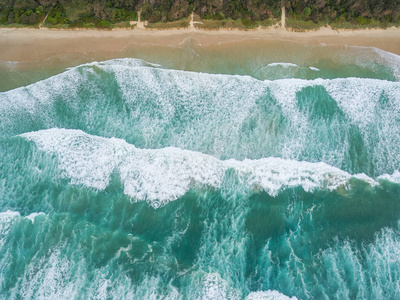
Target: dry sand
(40, 44)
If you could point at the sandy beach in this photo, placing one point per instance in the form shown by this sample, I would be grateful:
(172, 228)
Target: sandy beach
(40, 44)
(28, 55)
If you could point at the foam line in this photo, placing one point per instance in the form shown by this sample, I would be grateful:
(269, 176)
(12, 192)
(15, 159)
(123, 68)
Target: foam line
(163, 175)
(269, 295)
(282, 64)
(395, 177)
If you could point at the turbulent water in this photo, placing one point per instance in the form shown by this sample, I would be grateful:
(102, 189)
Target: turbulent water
(124, 179)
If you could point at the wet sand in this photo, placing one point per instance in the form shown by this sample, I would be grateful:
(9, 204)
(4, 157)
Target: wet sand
(29, 55)
(40, 44)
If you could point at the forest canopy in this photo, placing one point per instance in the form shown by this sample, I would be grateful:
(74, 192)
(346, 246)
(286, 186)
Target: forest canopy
(108, 13)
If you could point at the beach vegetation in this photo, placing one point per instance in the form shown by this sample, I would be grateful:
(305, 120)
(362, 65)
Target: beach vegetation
(29, 18)
(242, 14)
(104, 24)
(306, 11)
(56, 15)
(39, 10)
(223, 24)
(243, 23)
(124, 24)
(184, 23)
(268, 22)
(355, 25)
(10, 18)
(297, 24)
(248, 23)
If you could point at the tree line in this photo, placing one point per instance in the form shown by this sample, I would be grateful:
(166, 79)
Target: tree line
(105, 13)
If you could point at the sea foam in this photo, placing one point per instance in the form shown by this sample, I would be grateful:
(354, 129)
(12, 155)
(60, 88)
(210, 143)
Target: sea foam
(163, 175)
(8, 218)
(222, 115)
(395, 177)
(268, 295)
(282, 64)
(215, 287)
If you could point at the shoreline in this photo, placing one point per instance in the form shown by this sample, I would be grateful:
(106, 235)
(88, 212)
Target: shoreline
(28, 44)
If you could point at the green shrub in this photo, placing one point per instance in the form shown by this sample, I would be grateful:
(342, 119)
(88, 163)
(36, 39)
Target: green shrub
(301, 25)
(39, 10)
(29, 18)
(183, 23)
(11, 18)
(218, 16)
(56, 16)
(307, 11)
(248, 23)
(363, 21)
(104, 24)
(3, 18)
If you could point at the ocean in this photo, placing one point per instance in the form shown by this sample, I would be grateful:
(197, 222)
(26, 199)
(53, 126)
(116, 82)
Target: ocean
(265, 171)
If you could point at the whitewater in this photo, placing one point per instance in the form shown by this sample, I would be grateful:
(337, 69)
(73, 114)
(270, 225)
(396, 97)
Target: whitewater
(124, 179)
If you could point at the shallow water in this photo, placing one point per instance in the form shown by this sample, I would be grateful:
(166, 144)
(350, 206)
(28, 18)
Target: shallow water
(202, 173)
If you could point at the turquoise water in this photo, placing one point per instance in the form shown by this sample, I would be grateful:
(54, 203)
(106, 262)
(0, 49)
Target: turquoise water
(162, 179)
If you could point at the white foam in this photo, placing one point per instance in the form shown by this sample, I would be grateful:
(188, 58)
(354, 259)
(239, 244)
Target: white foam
(127, 62)
(127, 73)
(395, 177)
(214, 287)
(314, 69)
(391, 60)
(278, 70)
(56, 276)
(8, 215)
(207, 113)
(268, 295)
(275, 174)
(379, 56)
(282, 64)
(11, 65)
(36, 97)
(6, 220)
(32, 216)
(162, 175)
(374, 266)
(358, 98)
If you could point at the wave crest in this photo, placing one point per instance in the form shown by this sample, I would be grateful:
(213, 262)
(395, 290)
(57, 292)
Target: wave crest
(163, 175)
(349, 123)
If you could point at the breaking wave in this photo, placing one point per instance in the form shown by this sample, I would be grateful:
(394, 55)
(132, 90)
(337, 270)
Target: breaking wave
(350, 123)
(163, 175)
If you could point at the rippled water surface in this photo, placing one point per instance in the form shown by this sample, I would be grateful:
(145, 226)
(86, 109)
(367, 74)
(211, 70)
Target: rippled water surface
(194, 174)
